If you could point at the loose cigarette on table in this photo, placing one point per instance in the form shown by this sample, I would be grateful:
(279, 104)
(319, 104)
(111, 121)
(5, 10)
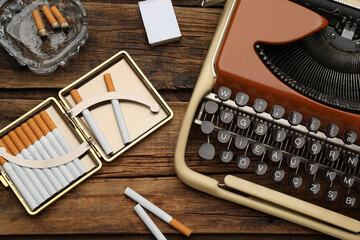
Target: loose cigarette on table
(50, 17)
(41, 153)
(55, 144)
(48, 178)
(55, 11)
(22, 153)
(117, 110)
(60, 138)
(18, 180)
(49, 149)
(39, 24)
(94, 127)
(149, 223)
(157, 211)
(26, 174)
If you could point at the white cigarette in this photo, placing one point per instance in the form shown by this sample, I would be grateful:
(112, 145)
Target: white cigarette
(157, 211)
(48, 172)
(97, 132)
(149, 223)
(121, 121)
(94, 127)
(20, 186)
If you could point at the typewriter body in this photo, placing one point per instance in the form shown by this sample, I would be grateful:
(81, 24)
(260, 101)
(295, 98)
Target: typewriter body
(276, 111)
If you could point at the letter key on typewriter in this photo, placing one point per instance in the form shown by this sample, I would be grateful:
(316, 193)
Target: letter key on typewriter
(274, 119)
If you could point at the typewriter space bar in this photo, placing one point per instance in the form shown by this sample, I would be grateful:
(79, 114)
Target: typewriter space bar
(292, 203)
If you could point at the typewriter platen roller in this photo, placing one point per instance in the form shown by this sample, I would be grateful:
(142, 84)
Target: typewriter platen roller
(277, 109)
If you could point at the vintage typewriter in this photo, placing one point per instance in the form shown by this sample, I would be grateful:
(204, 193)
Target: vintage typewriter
(275, 113)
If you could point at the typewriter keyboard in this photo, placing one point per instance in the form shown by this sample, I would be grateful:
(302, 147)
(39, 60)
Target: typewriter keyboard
(307, 160)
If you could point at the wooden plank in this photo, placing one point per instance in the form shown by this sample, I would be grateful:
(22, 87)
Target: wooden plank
(114, 27)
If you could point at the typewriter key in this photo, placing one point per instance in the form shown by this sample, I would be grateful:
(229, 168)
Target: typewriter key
(331, 130)
(207, 127)
(349, 137)
(331, 154)
(275, 155)
(294, 118)
(311, 167)
(241, 99)
(241, 142)
(259, 105)
(224, 93)
(260, 168)
(223, 136)
(330, 194)
(260, 129)
(348, 200)
(226, 116)
(226, 155)
(279, 135)
(243, 122)
(243, 162)
(329, 174)
(207, 151)
(297, 141)
(277, 111)
(295, 181)
(277, 174)
(258, 149)
(313, 187)
(314, 147)
(211, 107)
(351, 160)
(313, 124)
(347, 180)
(293, 161)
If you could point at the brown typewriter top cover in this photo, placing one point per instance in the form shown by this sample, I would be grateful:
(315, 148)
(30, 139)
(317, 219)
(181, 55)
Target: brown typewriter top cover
(240, 68)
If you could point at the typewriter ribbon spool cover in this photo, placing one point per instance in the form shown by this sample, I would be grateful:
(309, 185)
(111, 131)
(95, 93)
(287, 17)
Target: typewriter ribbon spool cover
(40, 130)
(245, 58)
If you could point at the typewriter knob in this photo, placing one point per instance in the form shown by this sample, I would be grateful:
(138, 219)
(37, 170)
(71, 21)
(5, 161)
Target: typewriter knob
(330, 194)
(314, 147)
(294, 118)
(295, 181)
(347, 180)
(260, 168)
(241, 99)
(311, 167)
(293, 161)
(329, 174)
(243, 162)
(226, 155)
(297, 141)
(224, 93)
(313, 187)
(349, 137)
(277, 111)
(223, 136)
(241, 142)
(332, 154)
(331, 130)
(351, 160)
(313, 124)
(260, 129)
(348, 200)
(207, 127)
(277, 174)
(275, 155)
(226, 116)
(211, 107)
(207, 151)
(243, 122)
(258, 149)
(260, 105)
(279, 135)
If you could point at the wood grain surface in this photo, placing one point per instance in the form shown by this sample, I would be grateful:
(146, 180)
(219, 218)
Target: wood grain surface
(97, 208)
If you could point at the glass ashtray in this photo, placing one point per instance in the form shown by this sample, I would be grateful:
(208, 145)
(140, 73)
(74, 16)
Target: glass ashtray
(20, 37)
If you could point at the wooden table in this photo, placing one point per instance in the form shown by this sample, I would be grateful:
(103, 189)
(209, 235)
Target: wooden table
(98, 206)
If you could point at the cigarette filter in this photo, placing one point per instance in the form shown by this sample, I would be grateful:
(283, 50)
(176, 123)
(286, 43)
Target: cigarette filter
(149, 223)
(94, 127)
(40, 150)
(60, 138)
(50, 17)
(38, 22)
(117, 110)
(18, 182)
(157, 211)
(55, 11)
(49, 149)
(55, 144)
(42, 183)
(25, 174)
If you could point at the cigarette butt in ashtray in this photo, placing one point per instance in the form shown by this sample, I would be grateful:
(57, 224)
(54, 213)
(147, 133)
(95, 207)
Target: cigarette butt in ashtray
(94, 127)
(157, 211)
(55, 11)
(39, 24)
(50, 17)
(117, 110)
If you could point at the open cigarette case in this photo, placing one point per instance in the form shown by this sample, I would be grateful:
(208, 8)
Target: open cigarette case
(53, 148)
